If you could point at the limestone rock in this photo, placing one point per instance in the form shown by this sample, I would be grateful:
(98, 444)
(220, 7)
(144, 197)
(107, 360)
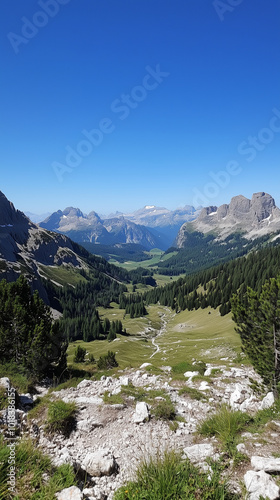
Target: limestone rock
(72, 493)
(190, 374)
(99, 463)
(141, 413)
(267, 464)
(267, 401)
(260, 484)
(199, 452)
(5, 382)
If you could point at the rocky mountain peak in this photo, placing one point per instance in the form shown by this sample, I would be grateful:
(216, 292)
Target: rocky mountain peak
(254, 218)
(8, 214)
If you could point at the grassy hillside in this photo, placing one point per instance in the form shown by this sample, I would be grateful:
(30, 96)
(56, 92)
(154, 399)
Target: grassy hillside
(202, 334)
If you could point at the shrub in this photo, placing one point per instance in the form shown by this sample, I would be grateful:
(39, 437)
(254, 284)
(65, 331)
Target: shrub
(226, 424)
(164, 410)
(168, 477)
(79, 356)
(107, 361)
(61, 417)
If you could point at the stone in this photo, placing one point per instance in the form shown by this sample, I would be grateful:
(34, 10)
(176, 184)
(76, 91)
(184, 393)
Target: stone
(72, 493)
(241, 448)
(237, 397)
(267, 401)
(190, 374)
(144, 365)
(199, 452)
(208, 371)
(5, 382)
(88, 425)
(267, 464)
(99, 463)
(84, 383)
(260, 484)
(142, 413)
(204, 386)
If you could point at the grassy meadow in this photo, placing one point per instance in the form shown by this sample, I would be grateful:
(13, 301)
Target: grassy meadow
(203, 335)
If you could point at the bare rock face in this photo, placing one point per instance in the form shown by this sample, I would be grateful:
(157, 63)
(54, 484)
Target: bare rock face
(254, 218)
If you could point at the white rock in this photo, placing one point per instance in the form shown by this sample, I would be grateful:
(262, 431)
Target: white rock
(84, 383)
(260, 484)
(267, 464)
(267, 401)
(237, 397)
(88, 425)
(199, 452)
(124, 380)
(204, 386)
(5, 382)
(208, 372)
(99, 463)
(190, 374)
(241, 448)
(72, 493)
(144, 365)
(141, 413)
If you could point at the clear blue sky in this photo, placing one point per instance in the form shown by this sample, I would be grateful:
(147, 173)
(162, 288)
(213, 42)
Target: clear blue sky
(176, 89)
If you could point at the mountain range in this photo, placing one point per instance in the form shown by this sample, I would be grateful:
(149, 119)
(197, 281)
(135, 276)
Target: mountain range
(150, 227)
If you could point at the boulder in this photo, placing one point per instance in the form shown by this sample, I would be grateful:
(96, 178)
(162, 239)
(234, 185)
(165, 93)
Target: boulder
(142, 413)
(5, 382)
(199, 452)
(237, 397)
(72, 493)
(190, 374)
(260, 484)
(267, 464)
(88, 425)
(267, 401)
(99, 463)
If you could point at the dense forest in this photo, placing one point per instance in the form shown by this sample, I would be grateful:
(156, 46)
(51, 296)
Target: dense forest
(121, 253)
(214, 287)
(203, 251)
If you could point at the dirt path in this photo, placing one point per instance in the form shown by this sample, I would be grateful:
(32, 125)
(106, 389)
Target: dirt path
(160, 332)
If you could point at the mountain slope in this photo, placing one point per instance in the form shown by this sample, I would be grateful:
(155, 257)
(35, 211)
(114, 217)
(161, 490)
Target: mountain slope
(28, 249)
(252, 218)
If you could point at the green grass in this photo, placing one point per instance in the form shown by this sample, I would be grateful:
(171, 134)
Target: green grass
(167, 477)
(61, 417)
(62, 275)
(189, 335)
(226, 424)
(192, 393)
(31, 464)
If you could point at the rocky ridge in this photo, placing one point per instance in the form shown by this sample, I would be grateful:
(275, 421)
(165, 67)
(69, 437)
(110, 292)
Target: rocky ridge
(253, 218)
(109, 440)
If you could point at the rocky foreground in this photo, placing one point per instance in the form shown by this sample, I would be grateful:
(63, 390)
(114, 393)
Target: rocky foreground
(110, 439)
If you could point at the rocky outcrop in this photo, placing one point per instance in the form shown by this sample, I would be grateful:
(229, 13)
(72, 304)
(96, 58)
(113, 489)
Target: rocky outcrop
(253, 218)
(109, 440)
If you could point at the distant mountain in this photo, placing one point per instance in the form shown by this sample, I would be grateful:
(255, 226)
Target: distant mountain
(251, 218)
(167, 222)
(37, 217)
(110, 231)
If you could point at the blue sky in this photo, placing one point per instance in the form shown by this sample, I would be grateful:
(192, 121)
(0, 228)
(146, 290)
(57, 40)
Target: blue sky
(116, 104)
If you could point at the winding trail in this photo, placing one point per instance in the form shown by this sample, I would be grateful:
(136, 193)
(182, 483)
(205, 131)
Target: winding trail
(160, 332)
